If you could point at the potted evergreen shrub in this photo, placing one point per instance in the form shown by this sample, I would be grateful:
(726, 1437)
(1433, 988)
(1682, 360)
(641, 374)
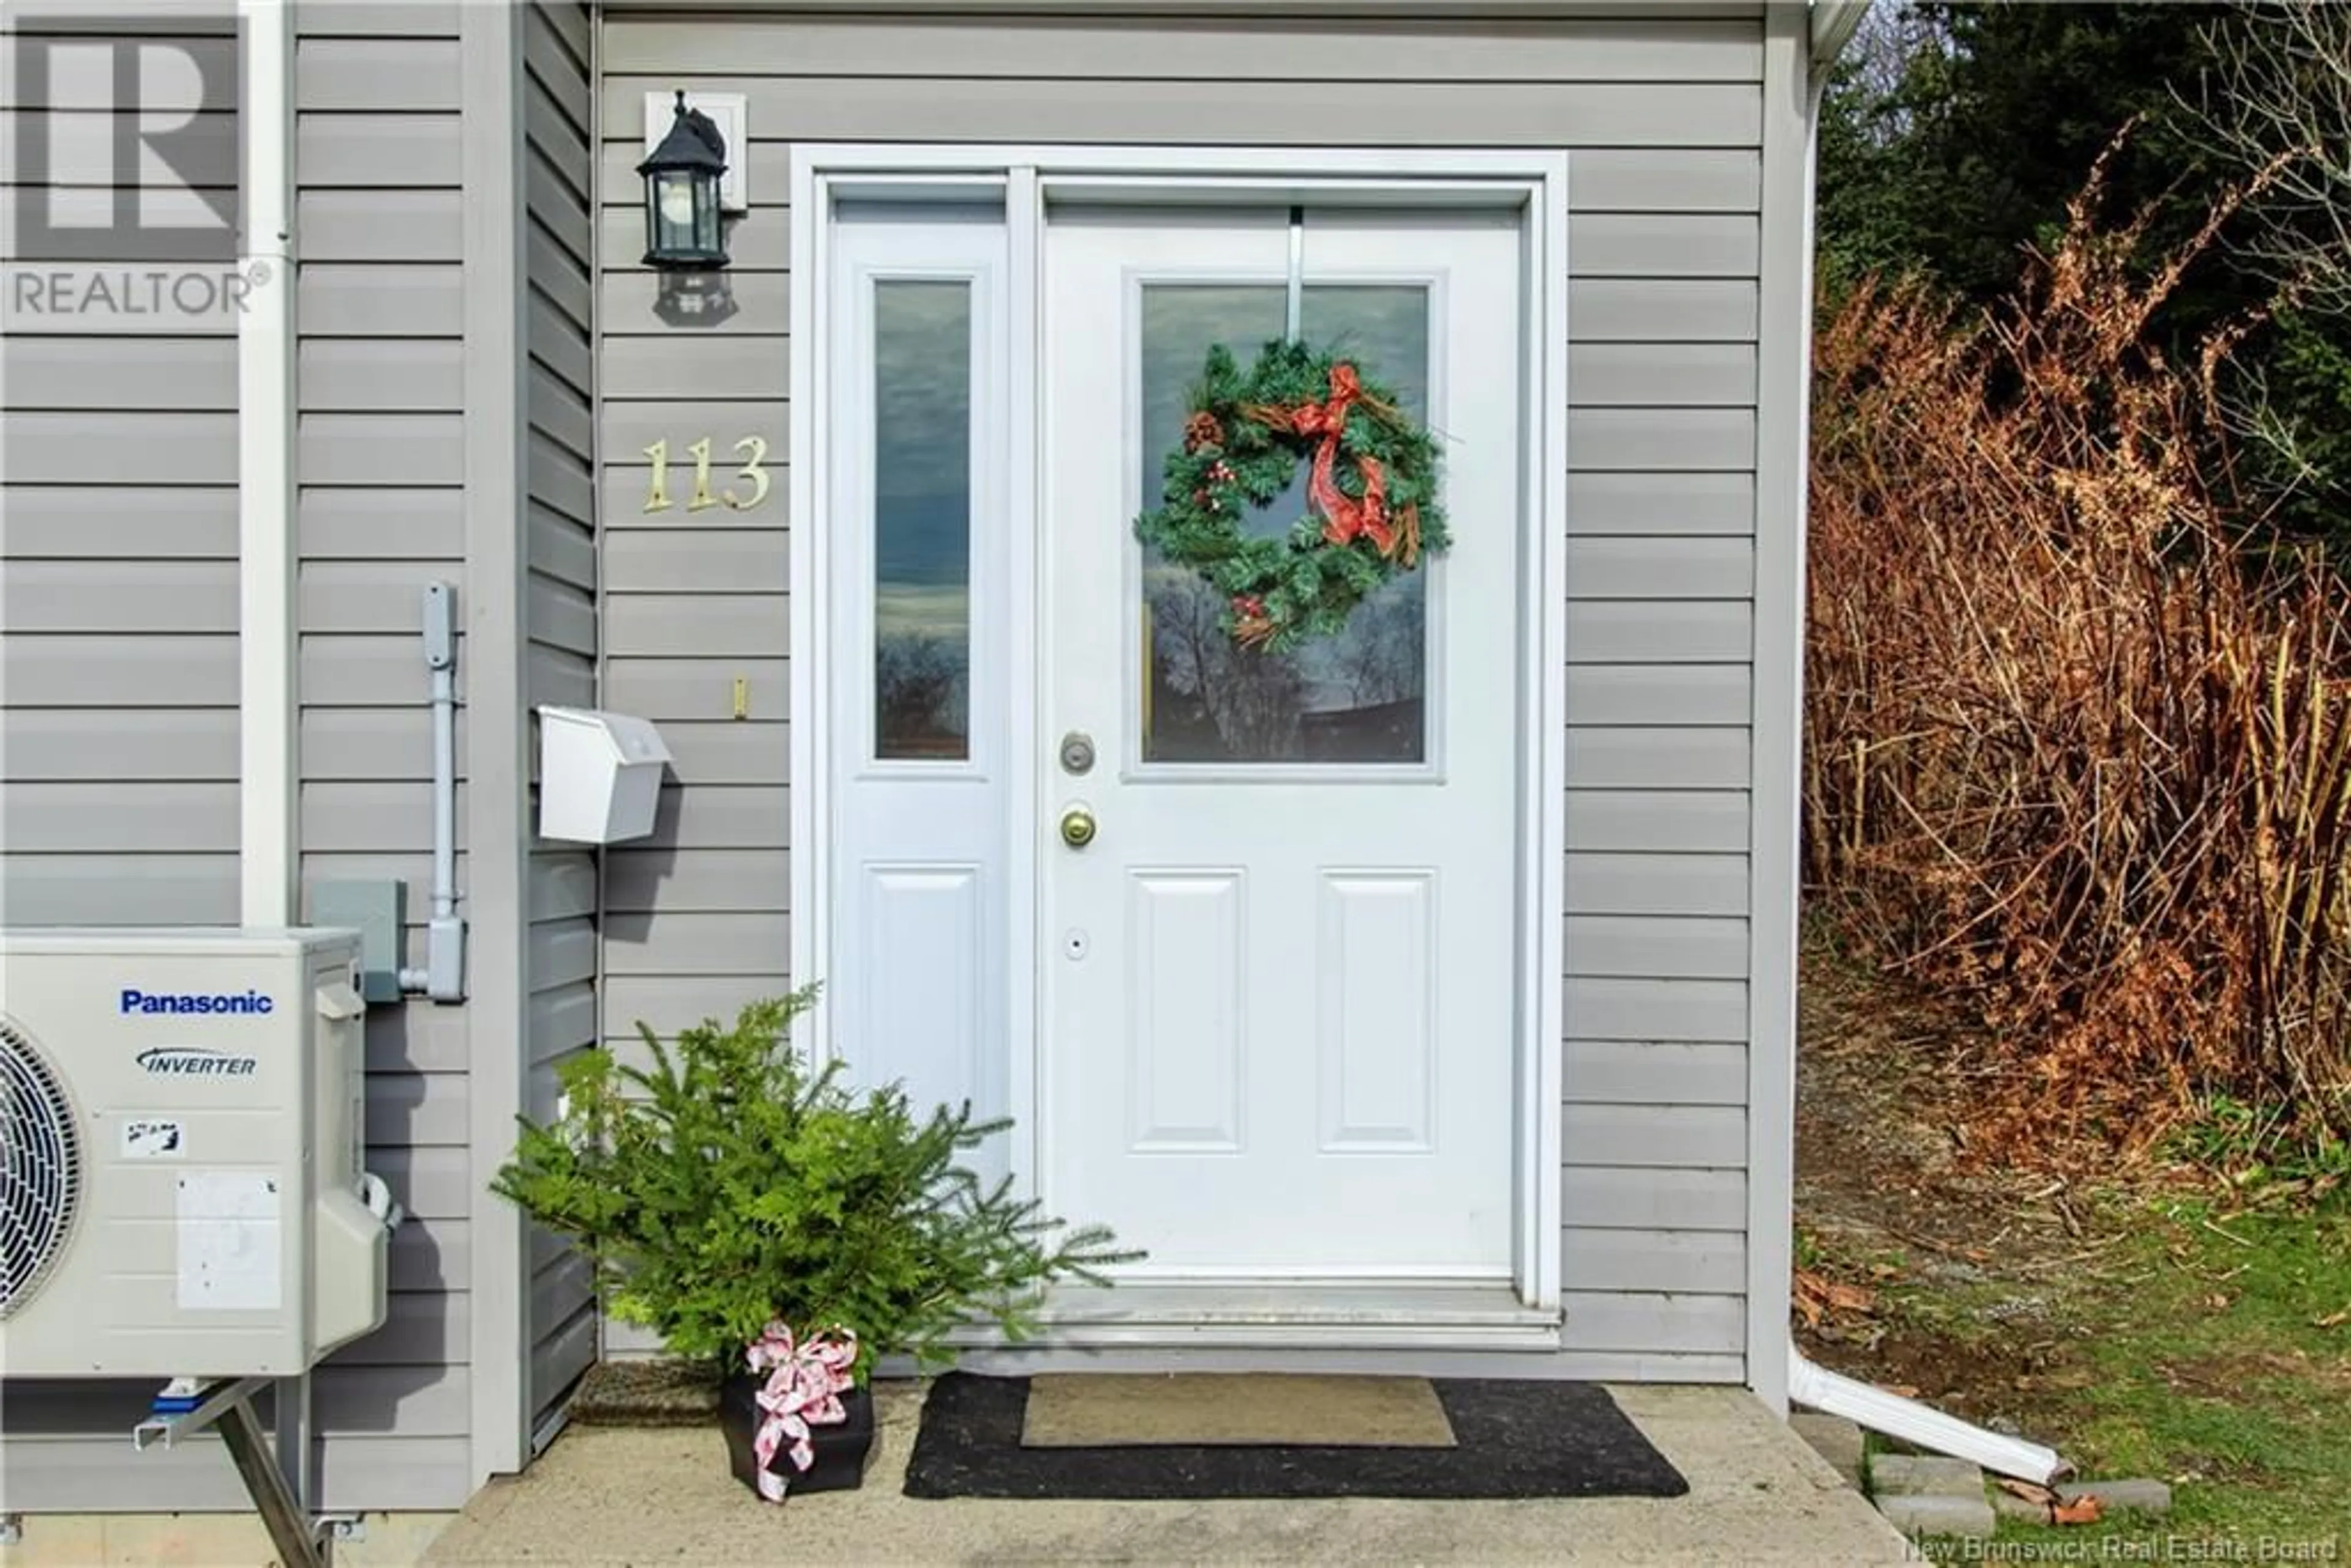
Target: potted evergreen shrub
(783, 1229)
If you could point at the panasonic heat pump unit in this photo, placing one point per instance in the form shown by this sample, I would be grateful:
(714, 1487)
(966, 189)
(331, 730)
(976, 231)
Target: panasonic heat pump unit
(182, 1126)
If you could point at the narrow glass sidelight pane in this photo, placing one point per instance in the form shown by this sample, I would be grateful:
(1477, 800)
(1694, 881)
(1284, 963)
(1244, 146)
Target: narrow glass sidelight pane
(922, 519)
(1357, 697)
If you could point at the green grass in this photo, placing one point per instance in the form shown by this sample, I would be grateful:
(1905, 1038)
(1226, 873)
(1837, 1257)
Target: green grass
(2265, 1154)
(2202, 1352)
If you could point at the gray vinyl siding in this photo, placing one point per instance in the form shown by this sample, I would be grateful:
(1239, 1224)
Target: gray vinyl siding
(119, 730)
(379, 458)
(1662, 114)
(560, 612)
(118, 593)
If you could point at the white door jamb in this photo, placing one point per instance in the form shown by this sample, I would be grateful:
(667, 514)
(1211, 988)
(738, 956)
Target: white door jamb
(1026, 176)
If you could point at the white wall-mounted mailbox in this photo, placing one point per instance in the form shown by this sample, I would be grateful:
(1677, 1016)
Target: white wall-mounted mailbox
(600, 775)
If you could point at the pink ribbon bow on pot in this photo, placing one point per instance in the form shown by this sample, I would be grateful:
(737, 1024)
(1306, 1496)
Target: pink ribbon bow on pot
(804, 1383)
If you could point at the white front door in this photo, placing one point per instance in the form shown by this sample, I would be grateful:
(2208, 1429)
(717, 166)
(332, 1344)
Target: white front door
(1279, 990)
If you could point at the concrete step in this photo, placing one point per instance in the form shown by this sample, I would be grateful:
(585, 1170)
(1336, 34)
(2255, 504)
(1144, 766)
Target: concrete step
(1834, 1438)
(1936, 1513)
(1917, 1474)
(1929, 1494)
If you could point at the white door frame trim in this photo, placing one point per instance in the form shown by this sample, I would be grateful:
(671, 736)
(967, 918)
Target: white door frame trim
(821, 173)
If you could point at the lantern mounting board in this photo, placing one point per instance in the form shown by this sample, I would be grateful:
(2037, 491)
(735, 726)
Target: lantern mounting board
(726, 111)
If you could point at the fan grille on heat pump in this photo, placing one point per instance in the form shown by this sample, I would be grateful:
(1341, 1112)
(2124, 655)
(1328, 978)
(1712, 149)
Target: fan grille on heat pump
(40, 1167)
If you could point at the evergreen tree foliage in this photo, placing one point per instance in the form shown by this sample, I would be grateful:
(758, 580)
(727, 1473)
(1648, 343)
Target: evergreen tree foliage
(1990, 126)
(727, 1186)
(1954, 135)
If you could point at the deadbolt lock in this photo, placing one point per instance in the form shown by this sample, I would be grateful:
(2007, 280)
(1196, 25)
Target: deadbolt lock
(1077, 826)
(1077, 752)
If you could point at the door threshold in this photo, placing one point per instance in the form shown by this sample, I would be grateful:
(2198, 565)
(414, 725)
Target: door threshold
(1230, 1314)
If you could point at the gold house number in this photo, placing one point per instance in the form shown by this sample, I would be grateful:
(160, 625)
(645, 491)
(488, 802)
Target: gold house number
(751, 472)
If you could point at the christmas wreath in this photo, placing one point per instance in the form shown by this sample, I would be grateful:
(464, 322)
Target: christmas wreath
(1372, 492)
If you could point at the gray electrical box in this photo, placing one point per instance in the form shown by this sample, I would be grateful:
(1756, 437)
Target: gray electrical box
(378, 911)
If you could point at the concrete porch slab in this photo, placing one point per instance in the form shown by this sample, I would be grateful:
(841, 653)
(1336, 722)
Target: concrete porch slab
(609, 1496)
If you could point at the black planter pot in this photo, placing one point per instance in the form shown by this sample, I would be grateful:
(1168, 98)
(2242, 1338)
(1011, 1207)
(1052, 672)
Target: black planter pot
(841, 1448)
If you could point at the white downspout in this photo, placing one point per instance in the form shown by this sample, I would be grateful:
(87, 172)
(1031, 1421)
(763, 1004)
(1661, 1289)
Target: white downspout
(1818, 1388)
(267, 867)
(265, 436)
(1834, 22)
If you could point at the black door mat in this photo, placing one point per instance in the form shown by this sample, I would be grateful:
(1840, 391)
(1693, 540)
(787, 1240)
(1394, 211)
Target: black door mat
(1513, 1439)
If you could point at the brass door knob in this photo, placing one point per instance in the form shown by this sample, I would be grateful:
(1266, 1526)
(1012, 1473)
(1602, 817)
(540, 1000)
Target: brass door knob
(1077, 826)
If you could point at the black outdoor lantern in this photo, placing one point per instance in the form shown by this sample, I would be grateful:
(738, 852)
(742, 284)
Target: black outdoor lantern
(682, 216)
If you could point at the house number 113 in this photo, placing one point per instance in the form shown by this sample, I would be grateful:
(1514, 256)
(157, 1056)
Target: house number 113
(751, 472)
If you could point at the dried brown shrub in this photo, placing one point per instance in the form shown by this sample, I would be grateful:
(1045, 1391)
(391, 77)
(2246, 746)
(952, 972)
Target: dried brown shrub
(2073, 751)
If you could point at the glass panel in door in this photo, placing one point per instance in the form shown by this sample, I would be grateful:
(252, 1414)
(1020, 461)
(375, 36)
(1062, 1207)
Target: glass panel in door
(1357, 697)
(922, 519)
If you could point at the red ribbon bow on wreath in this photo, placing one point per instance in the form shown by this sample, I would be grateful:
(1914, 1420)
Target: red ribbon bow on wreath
(1345, 518)
(804, 1383)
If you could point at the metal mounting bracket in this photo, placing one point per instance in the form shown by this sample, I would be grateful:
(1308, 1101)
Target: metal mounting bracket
(300, 1542)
